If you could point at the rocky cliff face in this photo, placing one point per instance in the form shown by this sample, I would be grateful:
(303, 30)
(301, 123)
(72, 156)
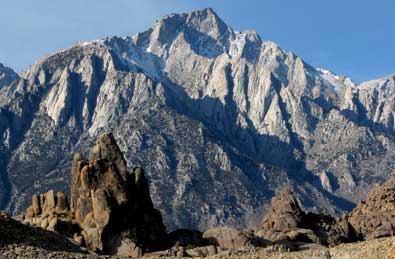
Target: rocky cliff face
(219, 118)
(7, 76)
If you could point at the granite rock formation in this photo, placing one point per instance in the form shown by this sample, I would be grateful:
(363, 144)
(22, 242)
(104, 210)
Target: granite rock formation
(372, 218)
(51, 211)
(286, 221)
(375, 217)
(110, 209)
(110, 204)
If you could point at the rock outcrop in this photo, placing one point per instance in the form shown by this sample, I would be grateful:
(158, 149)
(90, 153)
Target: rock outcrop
(51, 211)
(372, 218)
(110, 209)
(375, 217)
(113, 207)
(285, 220)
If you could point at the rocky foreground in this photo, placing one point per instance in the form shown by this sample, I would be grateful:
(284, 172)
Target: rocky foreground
(22, 241)
(110, 214)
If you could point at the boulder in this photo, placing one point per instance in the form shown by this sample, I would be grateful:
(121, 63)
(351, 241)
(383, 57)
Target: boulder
(298, 235)
(44, 223)
(285, 214)
(375, 217)
(50, 200)
(227, 238)
(202, 251)
(62, 204)
(127, 247)
(29, 212)
(36, 205)
(285, 220)
(52, 224)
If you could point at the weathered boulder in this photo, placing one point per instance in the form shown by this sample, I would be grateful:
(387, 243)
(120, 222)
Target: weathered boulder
(202, 251)
(375, 217)
(51, 212)
(227, 238)
(110, 209)
(285, 214)
(36, 205)
(285, 220)
(52, 224)
(50, 200)
(298, 235)
(62, 203)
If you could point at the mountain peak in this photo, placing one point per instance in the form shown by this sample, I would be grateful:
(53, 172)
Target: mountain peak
(206, 13)
(208, 22)
(202, 29)
(385, 85)
(7, 75)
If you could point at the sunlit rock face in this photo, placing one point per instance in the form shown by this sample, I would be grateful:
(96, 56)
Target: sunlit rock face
(374, 217)
(220, 119)
(110, 209)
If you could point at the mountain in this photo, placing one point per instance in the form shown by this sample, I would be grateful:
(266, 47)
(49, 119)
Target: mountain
(219, 118)
(7, 75)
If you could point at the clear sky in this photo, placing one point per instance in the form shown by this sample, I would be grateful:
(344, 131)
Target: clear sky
(352, 37)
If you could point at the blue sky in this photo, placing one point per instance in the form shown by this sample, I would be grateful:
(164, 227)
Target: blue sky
(352, 37)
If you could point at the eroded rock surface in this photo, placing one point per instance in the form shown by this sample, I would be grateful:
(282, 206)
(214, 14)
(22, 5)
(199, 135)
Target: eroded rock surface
(285, 220)
(110, 209)
(375, 217)
(372, 218)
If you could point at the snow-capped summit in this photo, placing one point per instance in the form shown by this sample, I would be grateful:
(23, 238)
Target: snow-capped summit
(336, 80)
